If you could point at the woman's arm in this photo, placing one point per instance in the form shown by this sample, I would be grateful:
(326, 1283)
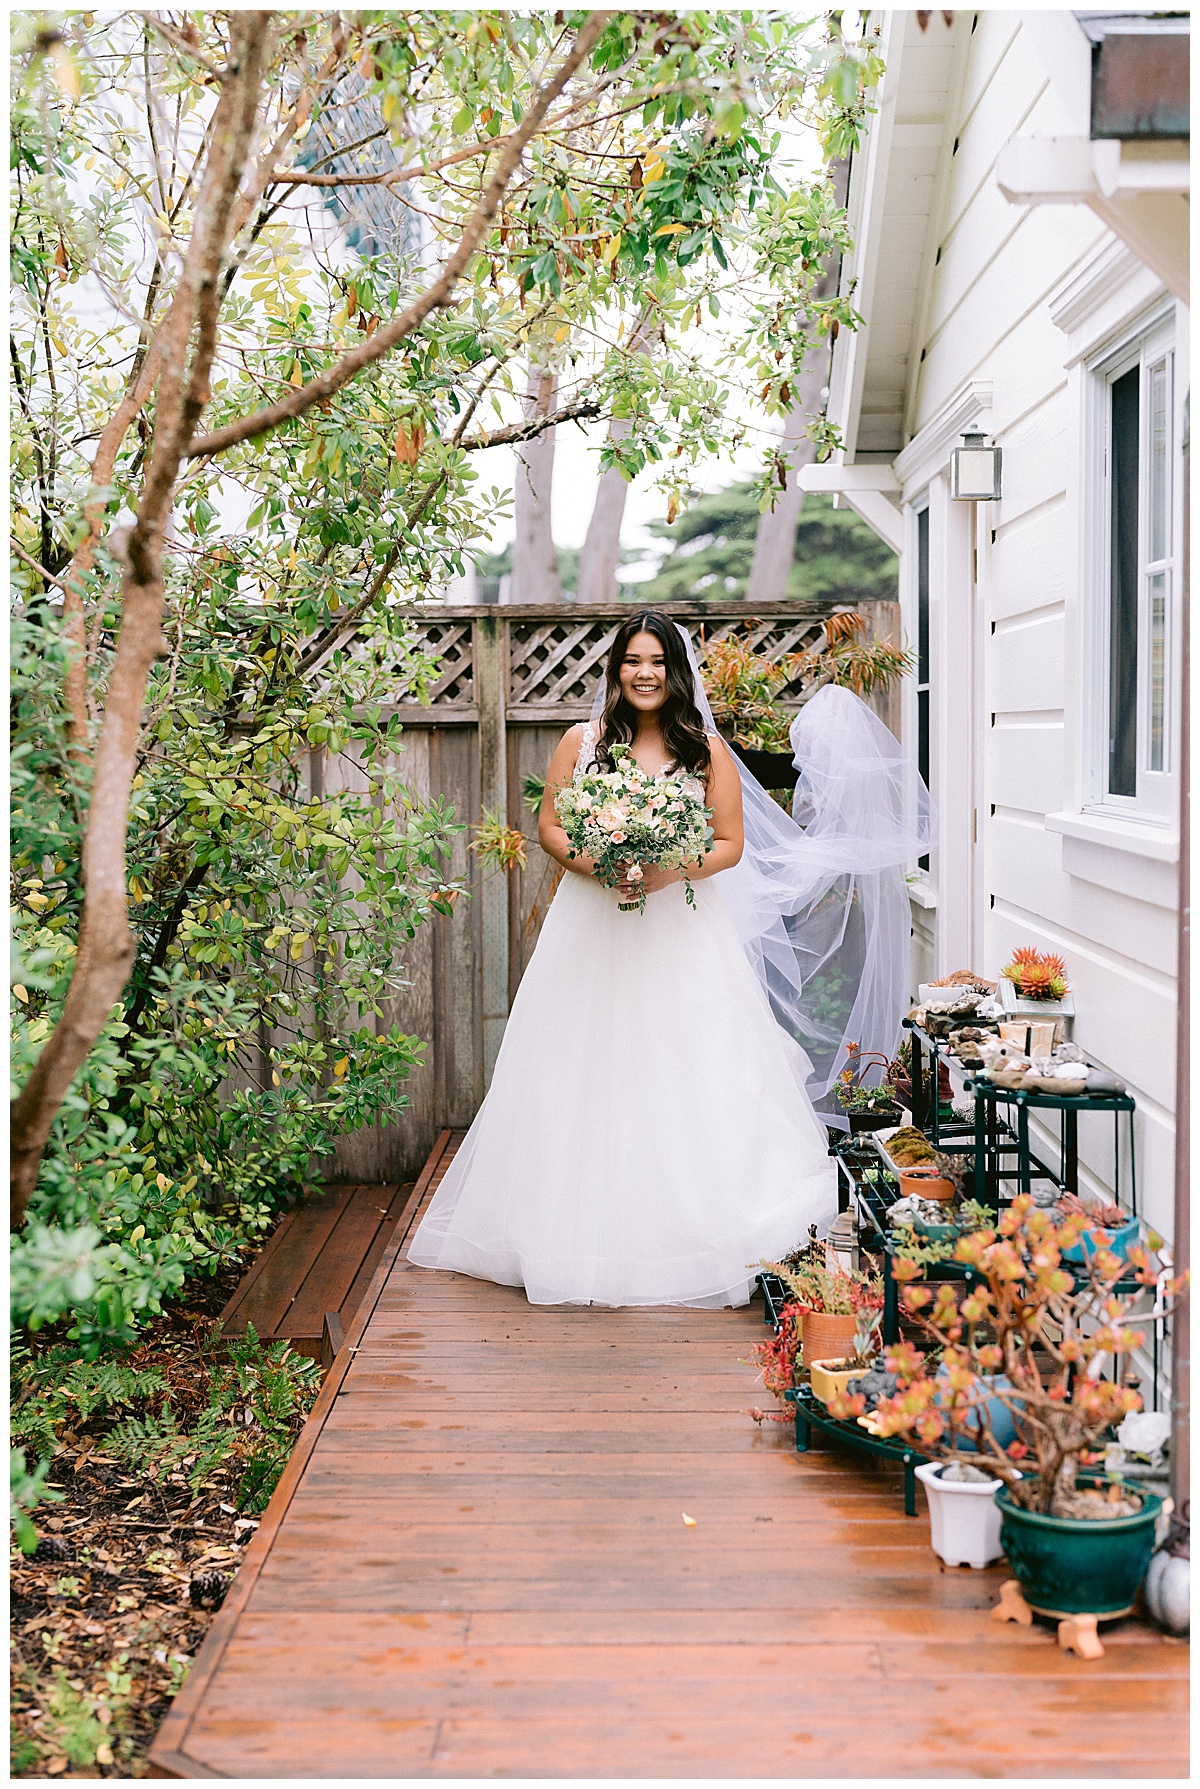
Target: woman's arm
(551, 837)
(725, 801)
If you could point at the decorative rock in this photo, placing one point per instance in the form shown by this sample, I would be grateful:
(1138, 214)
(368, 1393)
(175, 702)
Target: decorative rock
(874, 1384)
(1168, 1591)
(1168, 1582)
(1100, 1082)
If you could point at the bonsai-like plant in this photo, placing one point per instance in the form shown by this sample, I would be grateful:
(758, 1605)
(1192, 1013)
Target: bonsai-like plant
(1029, 1335)
(1037, 975)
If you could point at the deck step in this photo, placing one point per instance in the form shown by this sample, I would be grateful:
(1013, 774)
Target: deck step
(315, 1267)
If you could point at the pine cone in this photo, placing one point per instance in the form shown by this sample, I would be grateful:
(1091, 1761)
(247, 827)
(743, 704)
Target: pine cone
(51, 1547)
(208, 1590)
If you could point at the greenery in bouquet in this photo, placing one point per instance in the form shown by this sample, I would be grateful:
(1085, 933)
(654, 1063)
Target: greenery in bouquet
(1031, 1336)
(627, 817)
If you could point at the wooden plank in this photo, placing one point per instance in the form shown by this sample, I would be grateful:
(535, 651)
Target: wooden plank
(373, 1256)
(269, 1299)
(255, 1271)
(172, 1735)
(334, 1269)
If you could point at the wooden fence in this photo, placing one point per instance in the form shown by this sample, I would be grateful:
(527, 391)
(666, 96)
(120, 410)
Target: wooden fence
(511, 680)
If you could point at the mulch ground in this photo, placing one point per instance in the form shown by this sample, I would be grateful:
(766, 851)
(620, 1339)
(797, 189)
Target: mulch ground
(107, 1615)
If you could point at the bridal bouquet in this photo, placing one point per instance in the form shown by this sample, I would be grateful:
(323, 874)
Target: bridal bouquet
(625, 818)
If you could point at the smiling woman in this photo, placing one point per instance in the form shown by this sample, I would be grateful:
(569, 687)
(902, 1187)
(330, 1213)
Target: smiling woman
(647, 1127)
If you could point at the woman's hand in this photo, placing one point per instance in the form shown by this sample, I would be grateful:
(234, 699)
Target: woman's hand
(650, 881)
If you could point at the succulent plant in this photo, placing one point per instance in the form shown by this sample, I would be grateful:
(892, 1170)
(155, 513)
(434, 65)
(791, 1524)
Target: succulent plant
(1037, 975)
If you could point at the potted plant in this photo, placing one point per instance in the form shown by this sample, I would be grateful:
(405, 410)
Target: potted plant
(1032, 1336)
(1107, 1227)
(828, 1299)
(899, 1076)
(828, 1377)
(868, 1108)
(1034, 985)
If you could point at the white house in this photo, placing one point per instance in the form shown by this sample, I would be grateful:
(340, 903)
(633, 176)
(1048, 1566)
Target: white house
(1022, 275)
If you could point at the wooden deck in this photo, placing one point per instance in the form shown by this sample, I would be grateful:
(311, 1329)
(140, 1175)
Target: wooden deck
(317, 1267)
(477, 1565)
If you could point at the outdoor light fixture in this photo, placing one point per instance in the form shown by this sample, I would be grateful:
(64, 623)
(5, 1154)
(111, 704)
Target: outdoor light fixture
(975, 471)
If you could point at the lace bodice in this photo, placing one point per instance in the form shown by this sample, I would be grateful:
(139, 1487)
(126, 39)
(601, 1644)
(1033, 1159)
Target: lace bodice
(587, 761)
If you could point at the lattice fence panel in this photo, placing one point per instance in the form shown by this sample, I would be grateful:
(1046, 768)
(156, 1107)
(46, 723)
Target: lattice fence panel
(454, 681)
(562, 661)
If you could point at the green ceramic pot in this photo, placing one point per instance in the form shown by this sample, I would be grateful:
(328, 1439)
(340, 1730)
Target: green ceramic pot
(1070, 1567)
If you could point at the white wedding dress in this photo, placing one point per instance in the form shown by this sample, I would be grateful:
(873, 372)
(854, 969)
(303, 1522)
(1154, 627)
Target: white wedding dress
(647, 1137)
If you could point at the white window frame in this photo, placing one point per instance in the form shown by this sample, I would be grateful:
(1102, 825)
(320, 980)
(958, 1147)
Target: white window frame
(1156, 800)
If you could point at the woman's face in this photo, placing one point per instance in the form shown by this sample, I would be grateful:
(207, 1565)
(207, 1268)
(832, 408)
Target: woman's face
(643, 673)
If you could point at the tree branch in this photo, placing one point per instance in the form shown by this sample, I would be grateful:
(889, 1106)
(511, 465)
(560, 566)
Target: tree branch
(436, 296)
(106, 949)
(537, 425)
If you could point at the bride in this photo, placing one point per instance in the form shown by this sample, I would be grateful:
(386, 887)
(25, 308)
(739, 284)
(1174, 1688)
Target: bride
(649, 1132)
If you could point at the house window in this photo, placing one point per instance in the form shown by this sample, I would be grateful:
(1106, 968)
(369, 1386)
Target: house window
(1140, 561)
(923, 652)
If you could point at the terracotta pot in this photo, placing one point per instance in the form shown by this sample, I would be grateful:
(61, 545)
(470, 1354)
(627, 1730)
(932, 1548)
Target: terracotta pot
(827, 1337)
(926, 1183)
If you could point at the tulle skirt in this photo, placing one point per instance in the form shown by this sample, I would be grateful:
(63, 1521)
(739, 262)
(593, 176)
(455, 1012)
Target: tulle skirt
(647, 1137)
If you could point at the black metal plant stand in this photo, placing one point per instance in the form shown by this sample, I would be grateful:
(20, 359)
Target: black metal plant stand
(811, 1414)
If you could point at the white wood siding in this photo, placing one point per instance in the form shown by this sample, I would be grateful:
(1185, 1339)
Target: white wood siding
(1006, 600)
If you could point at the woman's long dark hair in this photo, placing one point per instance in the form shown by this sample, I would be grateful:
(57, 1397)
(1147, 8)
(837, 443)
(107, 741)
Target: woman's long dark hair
(679, 718)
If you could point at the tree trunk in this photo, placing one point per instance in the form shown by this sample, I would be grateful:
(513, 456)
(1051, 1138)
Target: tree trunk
(535, 576)
(106, 946)
(775, 540)
(602, 547)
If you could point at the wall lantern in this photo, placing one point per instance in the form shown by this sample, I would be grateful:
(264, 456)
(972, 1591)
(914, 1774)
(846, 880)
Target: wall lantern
(975, 471)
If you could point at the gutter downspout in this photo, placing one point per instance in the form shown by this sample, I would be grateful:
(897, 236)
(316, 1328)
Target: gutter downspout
(1181, 1476)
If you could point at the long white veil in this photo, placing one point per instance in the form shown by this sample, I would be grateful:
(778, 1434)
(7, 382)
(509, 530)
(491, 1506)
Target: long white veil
(819, 898)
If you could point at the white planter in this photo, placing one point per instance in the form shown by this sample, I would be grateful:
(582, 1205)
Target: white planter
(964, 1522)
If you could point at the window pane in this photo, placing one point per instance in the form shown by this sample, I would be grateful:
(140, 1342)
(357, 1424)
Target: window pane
(1123, 587)
(1159, 463)
(1158, 669)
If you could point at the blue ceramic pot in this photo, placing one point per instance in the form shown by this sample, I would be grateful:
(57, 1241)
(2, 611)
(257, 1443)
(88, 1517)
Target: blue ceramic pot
(998, 1413)
(1119, 1241)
